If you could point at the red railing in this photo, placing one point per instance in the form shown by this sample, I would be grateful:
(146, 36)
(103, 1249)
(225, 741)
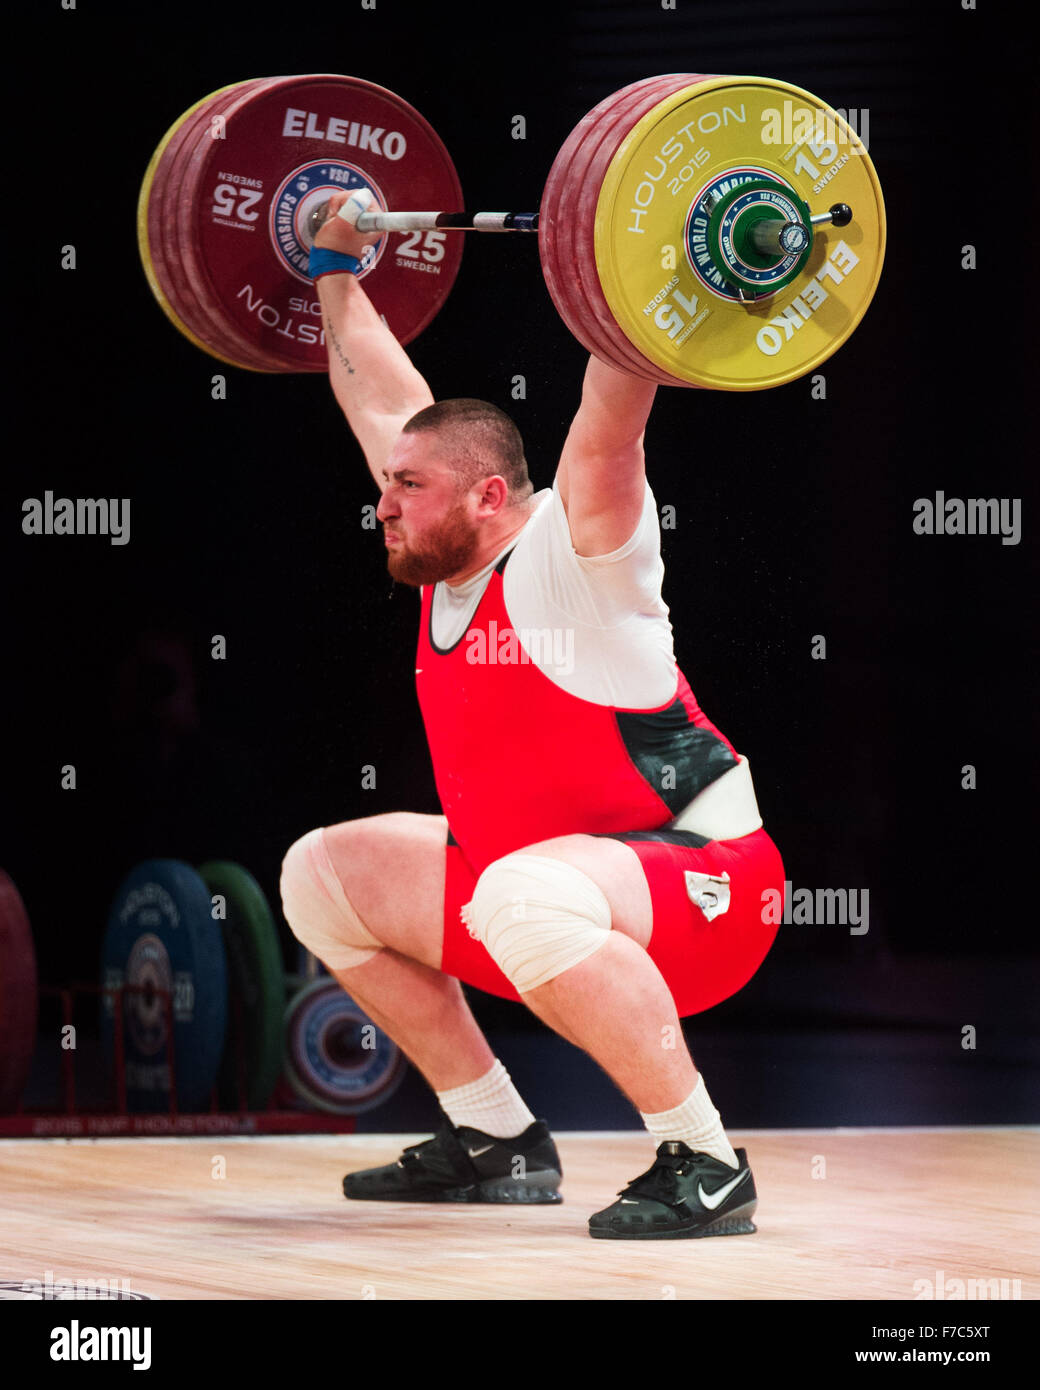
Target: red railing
(71, 1120)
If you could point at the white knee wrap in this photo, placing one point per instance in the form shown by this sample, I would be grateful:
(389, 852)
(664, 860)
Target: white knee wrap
(537, 917)
(317, 908)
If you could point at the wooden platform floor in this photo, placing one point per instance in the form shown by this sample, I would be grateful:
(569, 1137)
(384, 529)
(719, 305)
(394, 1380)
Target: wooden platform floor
(894, 1207)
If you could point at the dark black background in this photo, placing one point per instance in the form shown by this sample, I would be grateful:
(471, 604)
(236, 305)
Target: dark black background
(794, 515)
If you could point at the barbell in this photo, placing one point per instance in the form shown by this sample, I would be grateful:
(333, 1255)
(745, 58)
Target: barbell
(682, 231)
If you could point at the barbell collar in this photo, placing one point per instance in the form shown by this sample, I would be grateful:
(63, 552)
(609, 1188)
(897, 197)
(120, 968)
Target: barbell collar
(773, 237)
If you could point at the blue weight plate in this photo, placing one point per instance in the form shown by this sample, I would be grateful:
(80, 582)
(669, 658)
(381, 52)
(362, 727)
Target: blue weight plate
(162, 935)
(336, 1059)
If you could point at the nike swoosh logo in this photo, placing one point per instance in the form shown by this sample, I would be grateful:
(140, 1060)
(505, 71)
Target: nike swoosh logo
(475, 1153)
(712, 1199)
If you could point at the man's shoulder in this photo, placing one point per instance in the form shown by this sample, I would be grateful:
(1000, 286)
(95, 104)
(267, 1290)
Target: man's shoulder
(549, 521)
(599, 591)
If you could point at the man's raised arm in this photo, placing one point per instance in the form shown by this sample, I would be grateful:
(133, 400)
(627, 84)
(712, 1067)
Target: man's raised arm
(372, 376)
(602, 473)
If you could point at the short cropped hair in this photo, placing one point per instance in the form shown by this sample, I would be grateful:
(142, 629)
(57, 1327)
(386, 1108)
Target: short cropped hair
(479, 441)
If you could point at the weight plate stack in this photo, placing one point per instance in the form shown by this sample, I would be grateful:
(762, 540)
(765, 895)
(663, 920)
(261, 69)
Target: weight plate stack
(223, 215)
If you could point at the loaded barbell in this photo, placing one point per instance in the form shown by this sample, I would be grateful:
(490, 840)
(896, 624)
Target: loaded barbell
(676, 230)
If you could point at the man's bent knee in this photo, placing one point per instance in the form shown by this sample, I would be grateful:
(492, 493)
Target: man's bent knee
(537, 917)
(317, 909)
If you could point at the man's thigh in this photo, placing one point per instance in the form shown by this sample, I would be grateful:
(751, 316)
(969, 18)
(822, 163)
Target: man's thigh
(711, 926)
(611, 865)
(703, 959)
(392, 871)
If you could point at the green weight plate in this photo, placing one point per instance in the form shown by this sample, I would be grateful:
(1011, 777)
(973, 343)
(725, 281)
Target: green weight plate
(729, 237)
(256, 987)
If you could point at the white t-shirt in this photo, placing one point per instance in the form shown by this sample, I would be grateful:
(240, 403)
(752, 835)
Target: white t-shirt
(596, 626)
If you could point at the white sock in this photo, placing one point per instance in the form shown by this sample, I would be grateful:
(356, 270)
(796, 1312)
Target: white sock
(491, 1104)
(696, 1123)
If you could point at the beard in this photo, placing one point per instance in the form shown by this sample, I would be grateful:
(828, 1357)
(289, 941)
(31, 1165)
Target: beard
(444, 552)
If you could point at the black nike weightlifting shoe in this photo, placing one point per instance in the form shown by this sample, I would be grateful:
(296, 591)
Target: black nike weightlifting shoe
(466, 1165)
(683, 1196)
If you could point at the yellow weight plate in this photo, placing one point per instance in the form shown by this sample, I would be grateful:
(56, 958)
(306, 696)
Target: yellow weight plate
(143, 244)
(651, 218)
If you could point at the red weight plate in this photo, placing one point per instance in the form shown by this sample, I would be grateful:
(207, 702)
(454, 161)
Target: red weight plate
(17, 994)
(206, 317)
(554, 246)
(208, 326)
(207, 331)
(578, 202)
(552, 231)
(287, 147)
(617, 113)
(158, 249)
(556, 233)
(583, 219)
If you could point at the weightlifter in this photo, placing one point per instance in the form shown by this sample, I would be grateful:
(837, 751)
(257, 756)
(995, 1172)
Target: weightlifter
(601, 857)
